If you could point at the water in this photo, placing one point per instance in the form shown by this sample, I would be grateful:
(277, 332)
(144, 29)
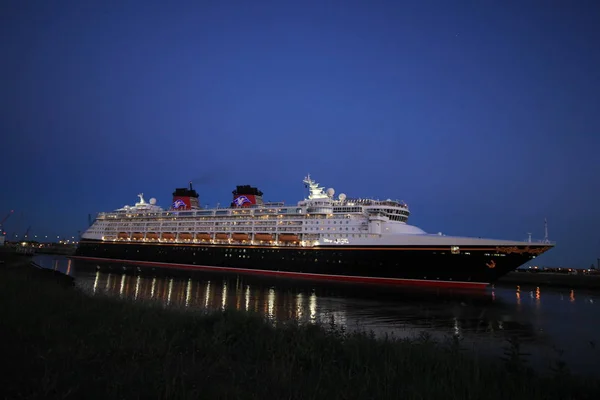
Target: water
(547, 321)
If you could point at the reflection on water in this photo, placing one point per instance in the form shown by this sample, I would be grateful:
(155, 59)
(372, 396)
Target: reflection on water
(542, 318)
(212, 295)
(354, 307)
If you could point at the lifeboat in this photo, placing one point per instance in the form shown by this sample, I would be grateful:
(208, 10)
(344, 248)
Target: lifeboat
(240, 236)
(203, 236)
(263, 236)
(222, 236)
(185, 236)
(288, 237)
(152, 236)
(123, 236)
(167, 236)
(137, 236)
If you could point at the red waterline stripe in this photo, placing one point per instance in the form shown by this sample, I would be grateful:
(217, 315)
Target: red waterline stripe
(301, 275)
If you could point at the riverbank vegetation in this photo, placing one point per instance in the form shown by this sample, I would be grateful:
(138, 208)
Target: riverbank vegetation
(59, 343)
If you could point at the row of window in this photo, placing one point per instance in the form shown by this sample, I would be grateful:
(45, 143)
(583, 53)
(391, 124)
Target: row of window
(224, 216)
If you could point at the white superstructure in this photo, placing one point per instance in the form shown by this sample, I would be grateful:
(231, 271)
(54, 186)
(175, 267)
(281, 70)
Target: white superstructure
(318, 220)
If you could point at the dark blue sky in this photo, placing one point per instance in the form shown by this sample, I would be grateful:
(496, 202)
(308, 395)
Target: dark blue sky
(483, 115)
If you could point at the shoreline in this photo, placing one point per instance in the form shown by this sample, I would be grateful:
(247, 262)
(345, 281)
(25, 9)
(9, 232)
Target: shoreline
(548, 279)
(115, 348)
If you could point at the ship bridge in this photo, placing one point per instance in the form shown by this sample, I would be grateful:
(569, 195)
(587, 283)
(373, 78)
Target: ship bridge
(394, 213)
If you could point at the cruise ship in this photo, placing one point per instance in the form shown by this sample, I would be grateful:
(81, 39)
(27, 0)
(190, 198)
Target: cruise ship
(323, 237)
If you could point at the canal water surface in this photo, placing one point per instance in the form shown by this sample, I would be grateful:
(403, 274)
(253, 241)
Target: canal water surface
(551, 324)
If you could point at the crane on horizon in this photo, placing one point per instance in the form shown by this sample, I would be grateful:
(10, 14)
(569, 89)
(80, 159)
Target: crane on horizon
(4, 220)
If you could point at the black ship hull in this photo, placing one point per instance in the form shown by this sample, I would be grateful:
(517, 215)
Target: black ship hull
(416, 265)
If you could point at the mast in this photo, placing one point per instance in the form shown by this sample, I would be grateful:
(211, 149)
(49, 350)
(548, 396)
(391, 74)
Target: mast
(316, 191)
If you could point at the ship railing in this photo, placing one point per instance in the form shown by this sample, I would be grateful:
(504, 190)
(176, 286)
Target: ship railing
(373, 202)
(520, 242)
(253, 206)
(542, 241)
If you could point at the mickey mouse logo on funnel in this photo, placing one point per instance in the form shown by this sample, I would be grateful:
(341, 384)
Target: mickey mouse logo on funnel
(241, 200)
(179, 204)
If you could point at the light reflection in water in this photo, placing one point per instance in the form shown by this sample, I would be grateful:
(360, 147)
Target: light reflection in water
(238, 296)
(456, 327)
(224, 296)
(310, 305)
(313, 307)
(122, 285)
(256, 300)
(188, 293)
(299, 306)
(96, 281)
(247, 297)
(170, 291)
(137, 286)
(500, 313)
(207, 297)
(271, 304)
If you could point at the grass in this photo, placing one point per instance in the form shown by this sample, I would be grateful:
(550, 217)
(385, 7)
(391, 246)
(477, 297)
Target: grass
(60, 343)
